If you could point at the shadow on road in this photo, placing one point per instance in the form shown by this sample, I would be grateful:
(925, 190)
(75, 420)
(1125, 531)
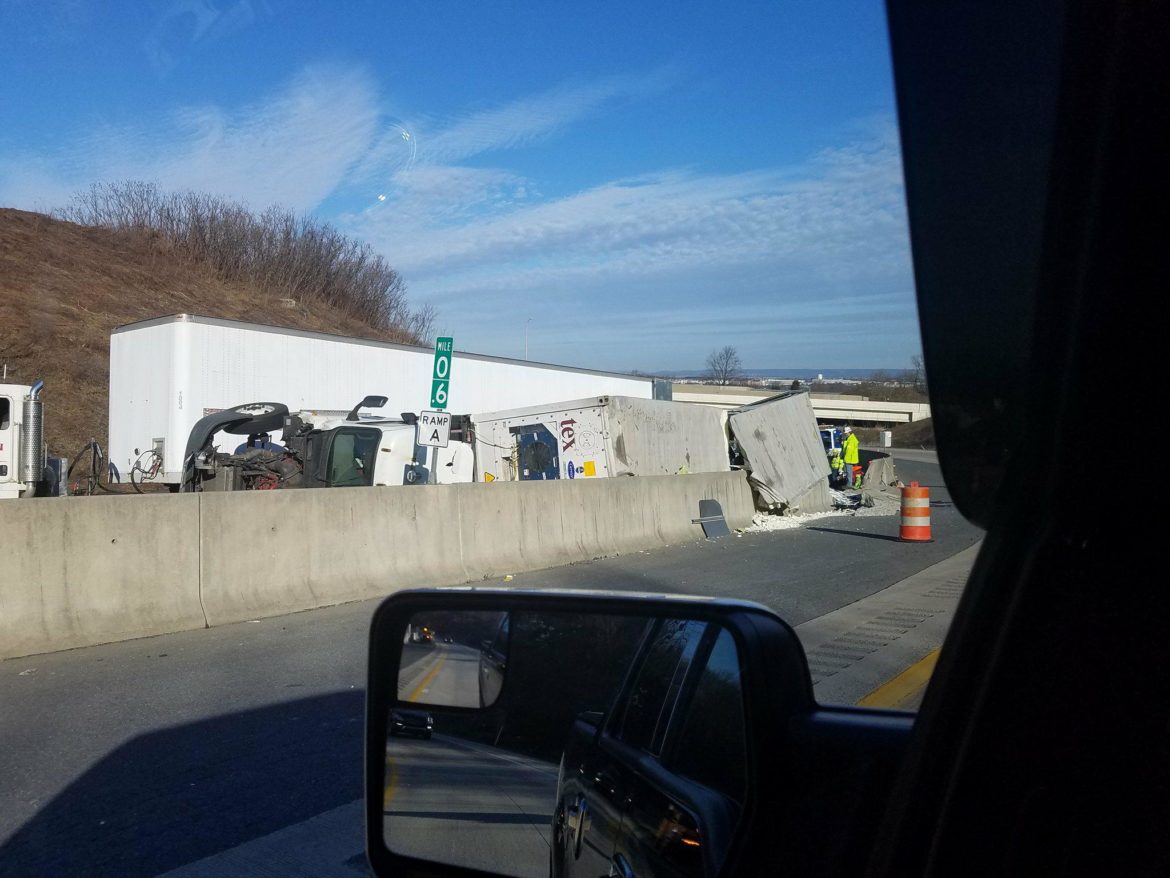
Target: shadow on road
(167, 798)
(478, 816)
(853, 533)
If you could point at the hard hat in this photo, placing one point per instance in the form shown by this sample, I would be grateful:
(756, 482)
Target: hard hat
(848, 430)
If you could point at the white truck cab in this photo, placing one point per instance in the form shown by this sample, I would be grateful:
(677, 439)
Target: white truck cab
(263, 446)
(22, 441)
(388, 446)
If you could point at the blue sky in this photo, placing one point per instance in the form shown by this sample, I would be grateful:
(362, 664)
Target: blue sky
(637, 183)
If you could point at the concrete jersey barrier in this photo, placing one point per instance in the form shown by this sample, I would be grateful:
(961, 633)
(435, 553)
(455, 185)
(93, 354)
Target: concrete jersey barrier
(96, 570)
(85, 570)
(364, 542)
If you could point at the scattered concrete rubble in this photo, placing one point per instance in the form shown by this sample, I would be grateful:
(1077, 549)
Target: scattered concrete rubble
(880, 495)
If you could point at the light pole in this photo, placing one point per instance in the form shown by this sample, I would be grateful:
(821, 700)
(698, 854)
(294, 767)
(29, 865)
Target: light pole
(526, 322)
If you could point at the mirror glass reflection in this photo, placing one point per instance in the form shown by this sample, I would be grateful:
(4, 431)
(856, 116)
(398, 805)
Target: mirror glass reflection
(452, 659)
(593, 745)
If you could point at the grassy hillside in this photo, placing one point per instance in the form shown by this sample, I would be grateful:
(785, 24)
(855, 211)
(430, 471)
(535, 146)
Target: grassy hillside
(64, 287)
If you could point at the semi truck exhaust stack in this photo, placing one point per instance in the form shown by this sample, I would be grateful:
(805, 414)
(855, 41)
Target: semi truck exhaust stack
(32, 440)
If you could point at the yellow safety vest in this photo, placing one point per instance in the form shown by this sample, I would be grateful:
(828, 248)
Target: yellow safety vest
(850, 445)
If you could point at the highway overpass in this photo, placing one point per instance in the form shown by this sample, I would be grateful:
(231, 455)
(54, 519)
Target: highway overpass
(834, 408)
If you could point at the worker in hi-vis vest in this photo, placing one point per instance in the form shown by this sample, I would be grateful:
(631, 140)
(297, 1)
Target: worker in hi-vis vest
(852, 459)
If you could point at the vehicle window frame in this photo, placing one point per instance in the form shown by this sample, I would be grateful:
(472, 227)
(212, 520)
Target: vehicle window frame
(685, 704)
(327, 457)
(615, 723)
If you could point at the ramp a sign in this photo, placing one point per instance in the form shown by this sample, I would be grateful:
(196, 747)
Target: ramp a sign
(434, 429)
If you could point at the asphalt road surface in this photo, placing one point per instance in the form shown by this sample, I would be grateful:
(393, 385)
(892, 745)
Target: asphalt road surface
(238, 750)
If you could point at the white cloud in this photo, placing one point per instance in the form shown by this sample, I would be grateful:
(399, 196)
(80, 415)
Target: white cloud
(185, 23)
(293, 148)
(840, 216)
(522, 122)
(784, 258)
(780, 259)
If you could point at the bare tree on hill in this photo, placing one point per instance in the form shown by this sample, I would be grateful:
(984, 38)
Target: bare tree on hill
(287, 255)
(724, 365)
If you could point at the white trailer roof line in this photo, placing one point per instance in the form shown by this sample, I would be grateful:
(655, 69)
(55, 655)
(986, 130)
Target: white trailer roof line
(354, 340)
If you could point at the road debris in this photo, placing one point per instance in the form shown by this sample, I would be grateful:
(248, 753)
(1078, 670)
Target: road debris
(852, 503)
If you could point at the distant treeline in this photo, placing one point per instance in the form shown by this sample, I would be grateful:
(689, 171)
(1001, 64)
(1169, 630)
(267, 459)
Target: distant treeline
(287, 255)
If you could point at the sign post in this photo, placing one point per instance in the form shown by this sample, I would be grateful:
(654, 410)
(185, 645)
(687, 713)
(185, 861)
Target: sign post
(434, 427)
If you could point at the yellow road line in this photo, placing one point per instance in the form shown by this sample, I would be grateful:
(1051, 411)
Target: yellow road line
(391, 768)
(900, 689)
(426, 681)
(391, 783)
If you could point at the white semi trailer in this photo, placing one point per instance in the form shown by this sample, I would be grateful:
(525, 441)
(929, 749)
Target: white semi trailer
(168, 373)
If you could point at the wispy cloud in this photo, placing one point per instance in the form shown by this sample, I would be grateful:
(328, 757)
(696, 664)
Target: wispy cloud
(522, 122)
(675, 257)
(822, 244)
(840, 215)
(530, 120)
(293, 148)
(185, 23)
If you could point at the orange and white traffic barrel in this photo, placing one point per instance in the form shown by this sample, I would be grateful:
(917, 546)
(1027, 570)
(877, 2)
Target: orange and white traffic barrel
(915, 514)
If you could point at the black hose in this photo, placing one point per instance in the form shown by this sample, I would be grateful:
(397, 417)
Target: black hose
(97, 464)
(99, 460)
(88, 446)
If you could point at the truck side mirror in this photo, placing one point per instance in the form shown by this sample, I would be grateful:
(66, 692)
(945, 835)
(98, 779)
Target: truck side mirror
(746, 685)
(409, 418)
(370, 402)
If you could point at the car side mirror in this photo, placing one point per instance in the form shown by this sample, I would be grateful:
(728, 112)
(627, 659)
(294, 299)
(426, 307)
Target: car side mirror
(487, 757)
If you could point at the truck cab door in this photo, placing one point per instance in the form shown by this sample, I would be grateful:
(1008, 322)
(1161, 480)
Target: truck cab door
(9, 475)
(350, 456)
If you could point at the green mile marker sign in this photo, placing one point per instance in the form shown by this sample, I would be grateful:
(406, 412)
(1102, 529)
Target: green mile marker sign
(441, 377)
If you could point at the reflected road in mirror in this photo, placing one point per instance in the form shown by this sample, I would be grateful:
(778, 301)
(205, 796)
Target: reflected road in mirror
(454, 801)
(453, 659)
(443, 674)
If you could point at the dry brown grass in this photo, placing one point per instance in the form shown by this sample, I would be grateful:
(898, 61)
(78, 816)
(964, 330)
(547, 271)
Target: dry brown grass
(64, 287)
(918, 434)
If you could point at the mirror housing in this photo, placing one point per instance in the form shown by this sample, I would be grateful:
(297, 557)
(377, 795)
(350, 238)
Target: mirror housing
(775, 680)
(370, 402)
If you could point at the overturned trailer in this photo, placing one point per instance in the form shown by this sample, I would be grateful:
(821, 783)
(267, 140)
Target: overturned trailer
(599, 437)
(780, 446)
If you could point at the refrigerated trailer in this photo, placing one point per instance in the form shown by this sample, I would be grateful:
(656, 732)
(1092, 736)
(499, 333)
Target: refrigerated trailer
(168, 373)
(599, 437)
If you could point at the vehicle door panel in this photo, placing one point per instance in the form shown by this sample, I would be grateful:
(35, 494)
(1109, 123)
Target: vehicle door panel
(660, 832)
(592, 799)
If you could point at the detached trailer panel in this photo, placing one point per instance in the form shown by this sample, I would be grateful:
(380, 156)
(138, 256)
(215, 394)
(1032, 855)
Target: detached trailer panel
(783, 453)
(599, 437)
(166, 374)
